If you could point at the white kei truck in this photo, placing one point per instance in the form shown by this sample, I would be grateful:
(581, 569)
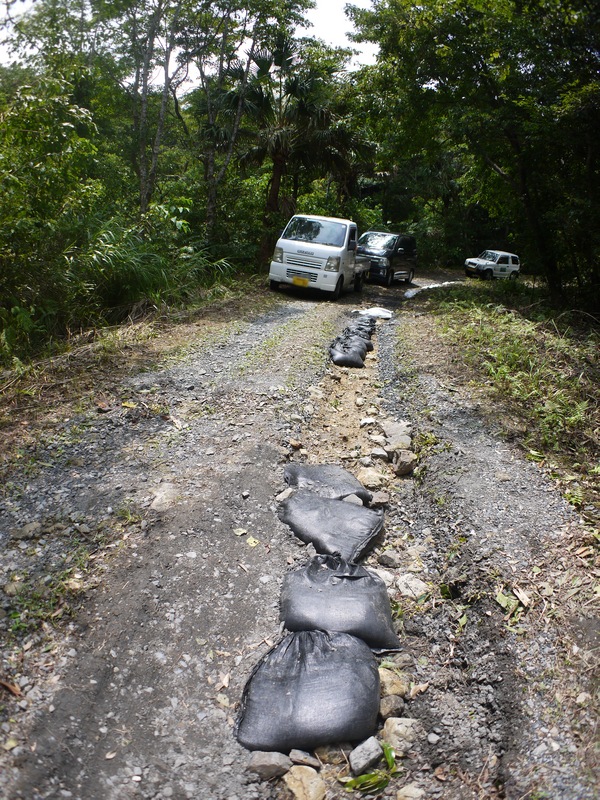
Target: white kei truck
(320, 253)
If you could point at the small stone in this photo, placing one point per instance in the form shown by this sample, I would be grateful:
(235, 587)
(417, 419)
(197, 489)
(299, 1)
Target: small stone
(305, 783)
(390, 558)
(295, 444)
(28, 531)
(387, 577)
(411, 792)
(377, 438)
(391, 706)
(367, 421)
(393, 683)
(399, 443)
(411, 586)
(401, 733)
(371, 478)
(394, 429)
(379, 453)
(304, 759)
(12, 588)
(164, 497)
(359, 402)
(433, 738)
(245, 495)
(352, 498)
(268, 765)
(380, 499)
(285, 494)
(366, 755)
(404, 462)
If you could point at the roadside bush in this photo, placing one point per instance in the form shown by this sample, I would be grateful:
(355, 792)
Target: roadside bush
(546, 364)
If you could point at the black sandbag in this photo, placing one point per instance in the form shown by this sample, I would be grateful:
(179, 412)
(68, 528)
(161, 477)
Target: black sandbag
(332, 526)
(357, 343)
(327, 480)
(311, 689)
(330, 594)
(351, 333)
(354, 341)
(346, 358)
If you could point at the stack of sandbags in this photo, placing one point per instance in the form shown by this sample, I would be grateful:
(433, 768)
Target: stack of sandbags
(351, 347)
(320, 684)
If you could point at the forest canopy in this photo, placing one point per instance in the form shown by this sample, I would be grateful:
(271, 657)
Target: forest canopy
(149, 148)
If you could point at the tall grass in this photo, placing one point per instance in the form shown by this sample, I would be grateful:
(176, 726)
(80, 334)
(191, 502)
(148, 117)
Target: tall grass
(543, 365)
(123, 267)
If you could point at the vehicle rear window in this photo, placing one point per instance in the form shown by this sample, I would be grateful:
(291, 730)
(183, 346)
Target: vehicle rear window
(315, 231)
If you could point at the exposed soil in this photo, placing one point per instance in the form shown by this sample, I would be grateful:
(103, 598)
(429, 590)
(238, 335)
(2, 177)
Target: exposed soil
(152, 509)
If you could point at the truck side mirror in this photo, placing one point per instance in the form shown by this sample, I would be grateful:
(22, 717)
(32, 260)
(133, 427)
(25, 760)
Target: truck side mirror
(352, 245)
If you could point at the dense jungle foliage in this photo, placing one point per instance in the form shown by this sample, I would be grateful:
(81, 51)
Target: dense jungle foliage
(150, 148)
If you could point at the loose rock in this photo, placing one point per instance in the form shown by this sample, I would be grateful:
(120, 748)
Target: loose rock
(305, 783)
(402, 733)
(411, 586)
(392, 683)
(366, 755)
(391, 706)
(404, 462)
(269, 765)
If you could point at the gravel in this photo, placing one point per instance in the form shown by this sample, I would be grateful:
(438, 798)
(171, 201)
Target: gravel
(156, 518)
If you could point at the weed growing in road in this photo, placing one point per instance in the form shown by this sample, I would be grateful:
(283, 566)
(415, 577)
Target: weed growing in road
(375, 782)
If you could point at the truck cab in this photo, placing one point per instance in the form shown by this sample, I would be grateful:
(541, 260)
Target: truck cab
(318, 252)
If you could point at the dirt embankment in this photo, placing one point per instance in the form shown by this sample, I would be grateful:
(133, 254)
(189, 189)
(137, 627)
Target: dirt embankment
(155, 506)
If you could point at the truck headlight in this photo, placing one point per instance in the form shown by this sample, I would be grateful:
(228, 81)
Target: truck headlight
(332, 264)
(278, 255)
(385, 262)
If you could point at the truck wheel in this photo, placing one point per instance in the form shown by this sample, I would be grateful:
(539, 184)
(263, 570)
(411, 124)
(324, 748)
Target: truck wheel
(488, 275)
(411, 275)
(274, 286)
(335, 295)
(358, 283)
(513, 276)
(389, 277)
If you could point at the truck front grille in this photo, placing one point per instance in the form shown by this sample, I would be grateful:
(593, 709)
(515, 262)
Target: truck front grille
(303, 261)
(312, 276)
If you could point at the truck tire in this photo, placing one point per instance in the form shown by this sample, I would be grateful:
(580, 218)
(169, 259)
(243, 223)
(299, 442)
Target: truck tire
(389, 277)
(488, 275)
(358, 282)
(274, 286)
(513, 276)
(410, 277)
(335, 295)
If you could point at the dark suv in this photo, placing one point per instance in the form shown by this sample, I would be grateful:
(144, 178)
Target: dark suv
(392, 256)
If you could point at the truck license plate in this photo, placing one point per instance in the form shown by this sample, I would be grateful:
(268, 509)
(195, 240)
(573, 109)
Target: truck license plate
(300, 281)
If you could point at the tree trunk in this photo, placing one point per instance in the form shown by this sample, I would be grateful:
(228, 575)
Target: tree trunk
(272, 208)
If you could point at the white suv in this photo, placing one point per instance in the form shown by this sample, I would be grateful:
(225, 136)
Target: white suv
(493, 264)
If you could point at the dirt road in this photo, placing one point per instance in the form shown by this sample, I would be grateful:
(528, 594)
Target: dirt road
(156, 506)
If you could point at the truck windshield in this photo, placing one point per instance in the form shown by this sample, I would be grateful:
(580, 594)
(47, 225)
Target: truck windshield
(378, 241)
(316, 231)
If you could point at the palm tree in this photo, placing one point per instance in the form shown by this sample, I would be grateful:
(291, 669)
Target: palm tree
(293, 126)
